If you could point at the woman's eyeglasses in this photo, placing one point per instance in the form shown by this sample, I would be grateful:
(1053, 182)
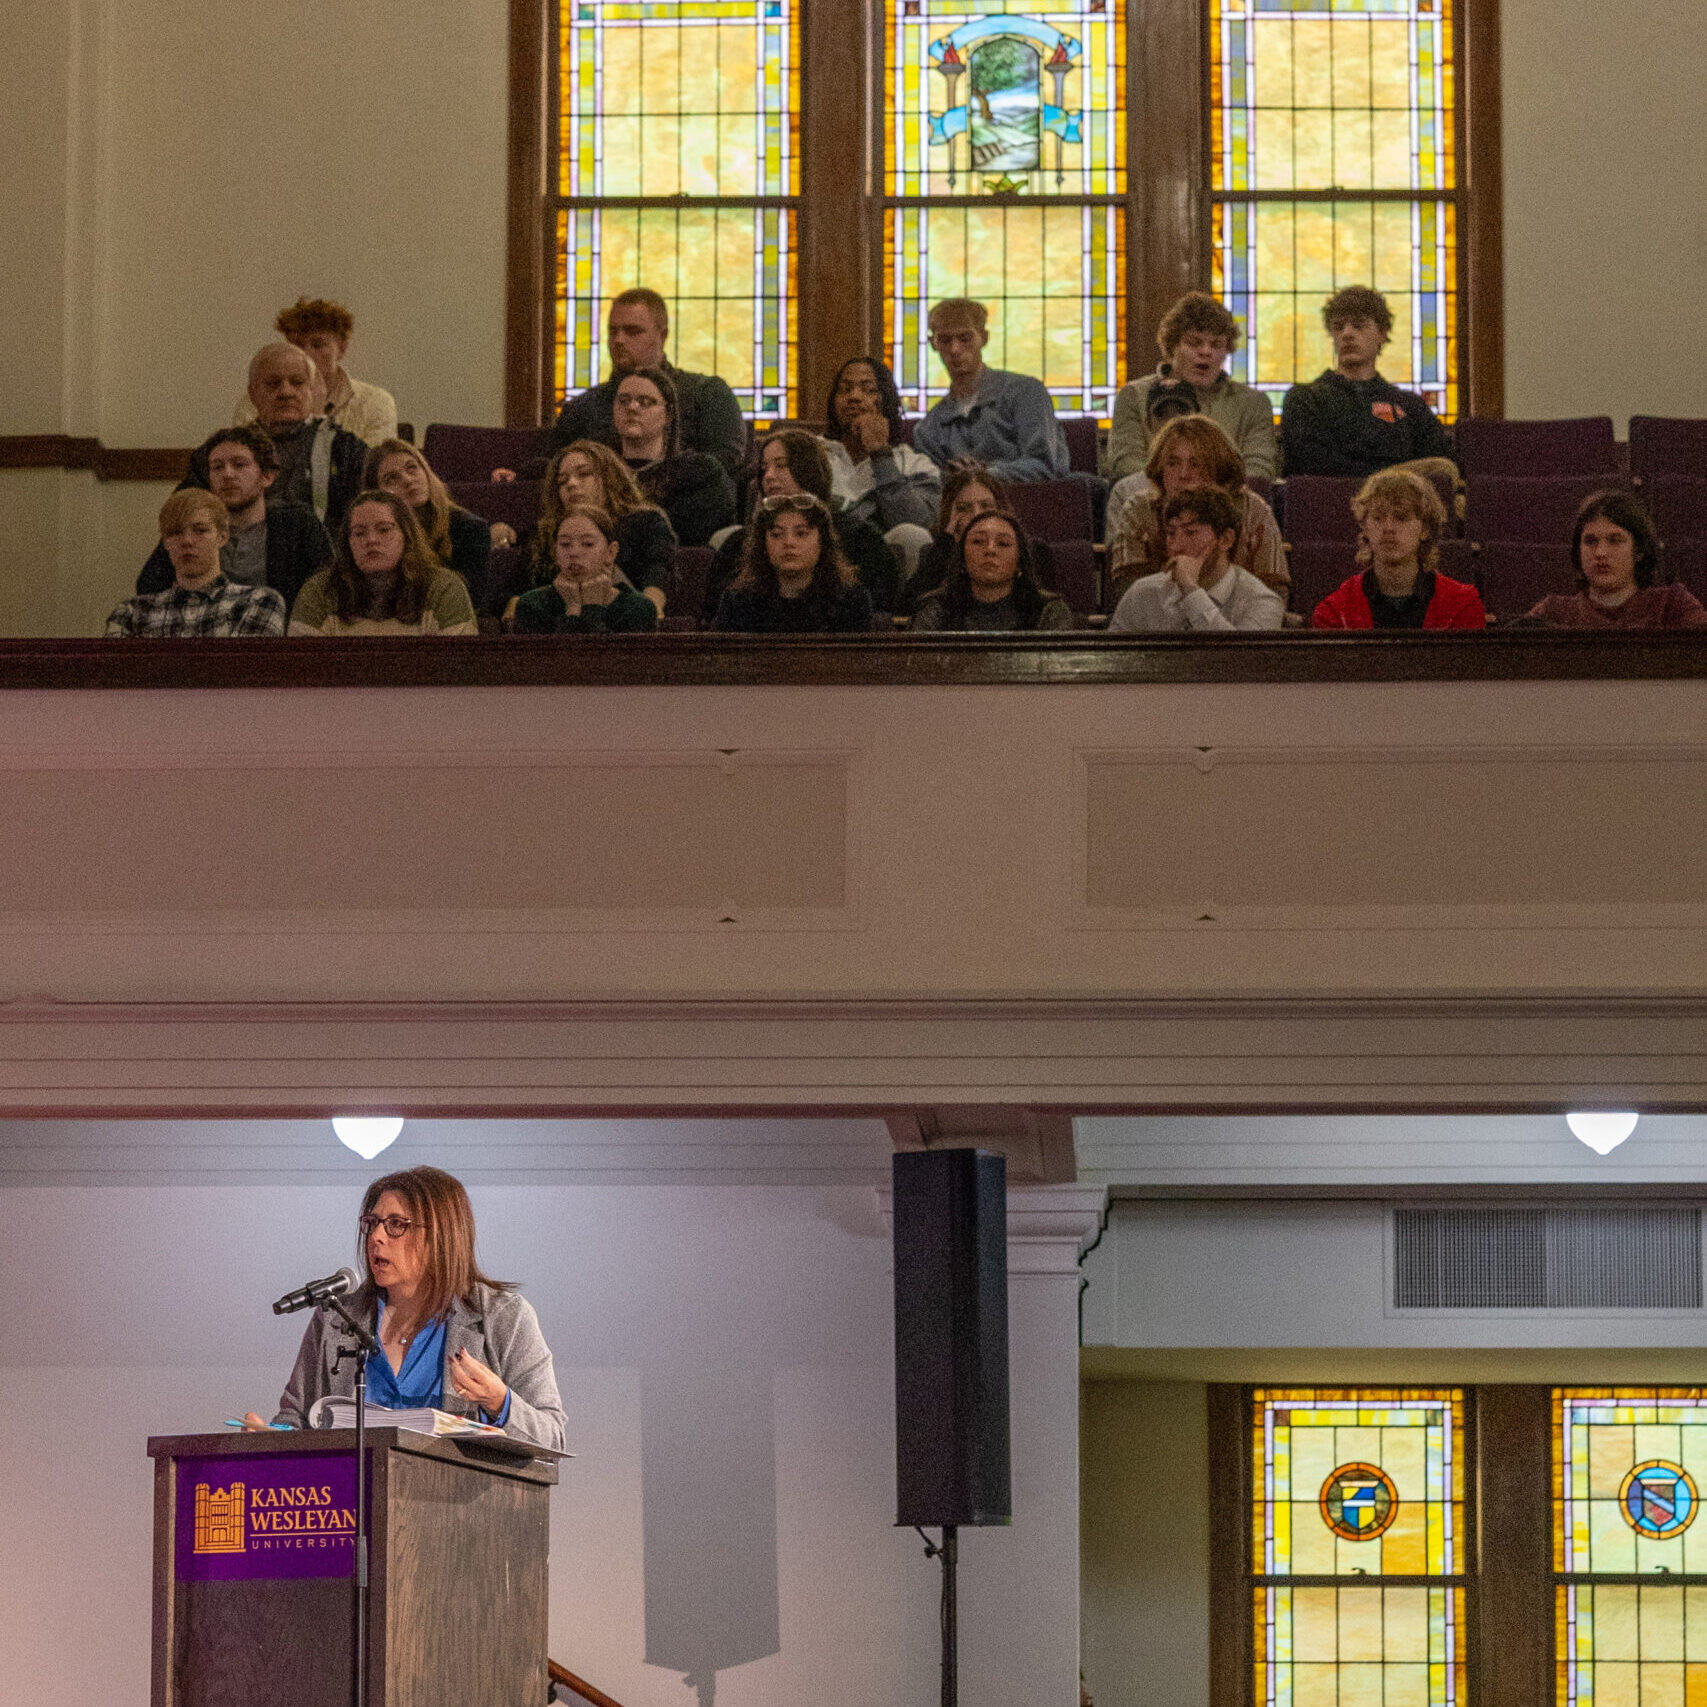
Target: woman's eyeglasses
(395, 1225)
(805, 502)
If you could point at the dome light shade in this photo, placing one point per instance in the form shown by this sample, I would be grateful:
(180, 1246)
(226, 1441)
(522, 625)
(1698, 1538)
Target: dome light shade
(1603, 1132)
(367, 1134)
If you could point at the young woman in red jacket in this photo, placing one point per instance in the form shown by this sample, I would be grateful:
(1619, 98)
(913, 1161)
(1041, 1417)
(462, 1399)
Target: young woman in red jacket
(1401, 518)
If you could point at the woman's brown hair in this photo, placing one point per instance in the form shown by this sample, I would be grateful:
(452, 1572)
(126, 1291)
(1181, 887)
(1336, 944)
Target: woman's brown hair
(435, 523)
(621, 491)
(439, 1203)
(415, 569)
(1209, 443)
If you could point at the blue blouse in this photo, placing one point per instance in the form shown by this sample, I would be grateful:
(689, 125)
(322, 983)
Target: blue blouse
(420, 1383)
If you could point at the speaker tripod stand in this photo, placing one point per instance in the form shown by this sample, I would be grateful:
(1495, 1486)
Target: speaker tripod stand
(948, 1550)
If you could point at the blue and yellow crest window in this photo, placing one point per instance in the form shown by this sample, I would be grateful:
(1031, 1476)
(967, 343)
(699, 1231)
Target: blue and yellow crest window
(1628, 1465)
(1358, 1546)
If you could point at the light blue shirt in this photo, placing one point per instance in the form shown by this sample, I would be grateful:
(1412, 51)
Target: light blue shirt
(1009, 426)
(420, 1383)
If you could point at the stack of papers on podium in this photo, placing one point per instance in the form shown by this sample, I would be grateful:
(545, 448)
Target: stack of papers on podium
(338, 1412)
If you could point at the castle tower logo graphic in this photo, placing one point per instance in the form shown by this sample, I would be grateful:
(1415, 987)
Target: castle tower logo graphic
(219, 1526)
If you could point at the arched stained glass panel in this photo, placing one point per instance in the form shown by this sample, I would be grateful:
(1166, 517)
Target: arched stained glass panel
(988, 110)
(696, 101)
(1333, 163)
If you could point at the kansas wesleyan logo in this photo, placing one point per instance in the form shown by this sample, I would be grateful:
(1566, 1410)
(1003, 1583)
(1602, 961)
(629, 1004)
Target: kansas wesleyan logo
(1658, 1499)
(1359, 1502)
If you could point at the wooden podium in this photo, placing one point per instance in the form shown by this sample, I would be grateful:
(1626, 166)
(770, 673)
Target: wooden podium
(254, 1544)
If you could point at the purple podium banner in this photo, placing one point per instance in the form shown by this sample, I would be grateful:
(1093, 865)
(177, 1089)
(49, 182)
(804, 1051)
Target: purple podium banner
(247, 1519)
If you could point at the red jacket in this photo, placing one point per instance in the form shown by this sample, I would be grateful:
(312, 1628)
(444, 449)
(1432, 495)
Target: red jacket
(1455, 605)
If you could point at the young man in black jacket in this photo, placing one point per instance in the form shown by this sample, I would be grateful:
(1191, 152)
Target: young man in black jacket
(1351, 423)
(270, 545)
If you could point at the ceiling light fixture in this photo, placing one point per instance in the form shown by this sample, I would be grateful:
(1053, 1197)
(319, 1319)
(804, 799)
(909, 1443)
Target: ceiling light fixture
(367, 1134)
(1603, 1132)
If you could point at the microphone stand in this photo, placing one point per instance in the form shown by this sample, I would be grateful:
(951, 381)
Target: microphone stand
(366, 1346)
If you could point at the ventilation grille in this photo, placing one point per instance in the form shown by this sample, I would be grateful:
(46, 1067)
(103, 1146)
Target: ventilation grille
(1620, 1257)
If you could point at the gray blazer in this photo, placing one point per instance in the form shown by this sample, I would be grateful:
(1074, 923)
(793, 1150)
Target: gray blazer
(501, 1330)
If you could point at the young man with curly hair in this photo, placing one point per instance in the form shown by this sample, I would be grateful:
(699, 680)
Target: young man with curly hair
(1196, 337)
(1351, 422)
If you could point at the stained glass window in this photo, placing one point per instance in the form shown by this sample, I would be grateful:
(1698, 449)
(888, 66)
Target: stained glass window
(1357, 1547)
(1628, 1466)
(1333, 162)
(989, 107)
(691, 100)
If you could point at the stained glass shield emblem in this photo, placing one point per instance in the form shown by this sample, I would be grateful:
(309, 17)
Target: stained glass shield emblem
(1658, 1499)
(1359, 1502)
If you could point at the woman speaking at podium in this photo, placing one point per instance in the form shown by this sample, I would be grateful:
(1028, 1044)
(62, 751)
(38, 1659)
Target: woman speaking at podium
(453, 1339)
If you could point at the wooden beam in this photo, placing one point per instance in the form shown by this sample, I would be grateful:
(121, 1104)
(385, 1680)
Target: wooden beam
(1512, 1634)
(527, 306)
(60, 450)
(1481, 224)
(1167, 167)
(1231, 1650)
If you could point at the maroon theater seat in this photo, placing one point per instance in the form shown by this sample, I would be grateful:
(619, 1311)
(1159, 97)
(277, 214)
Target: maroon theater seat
(693, 576)
(512, 501)
(1661, 444)
(1317, 507)
(1054, 510)
(1516, 575)
(1687, 562)
(1081, 433)
(471, 453)
(1535, 449)
(1076, 574)
(1678, 505)
(1527, 512)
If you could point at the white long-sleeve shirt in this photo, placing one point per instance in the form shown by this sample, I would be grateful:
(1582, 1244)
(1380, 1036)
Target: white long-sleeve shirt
(1156, 604)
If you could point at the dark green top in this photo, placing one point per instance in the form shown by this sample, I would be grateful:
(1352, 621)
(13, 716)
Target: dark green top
(542, 611)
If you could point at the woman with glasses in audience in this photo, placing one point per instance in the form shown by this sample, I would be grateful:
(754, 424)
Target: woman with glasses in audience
(793, 461)
(384, 579)
(795, 579)
(1616, 554)
(875, 474)
(454, 1339)
(459, 539)
(1189, 453)
(992, 588)
(585, 596)
(691, 488)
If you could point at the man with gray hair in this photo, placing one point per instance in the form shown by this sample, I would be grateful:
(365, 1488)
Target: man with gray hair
(319, 464)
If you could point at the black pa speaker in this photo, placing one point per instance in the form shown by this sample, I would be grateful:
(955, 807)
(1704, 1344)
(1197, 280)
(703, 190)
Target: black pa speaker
(951, 1338)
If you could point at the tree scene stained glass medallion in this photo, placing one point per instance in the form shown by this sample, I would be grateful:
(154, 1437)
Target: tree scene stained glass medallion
(1360, 1647)
(994, 103)
(691, 99)
(1315, 106)
(1358, 1482)
(1005, 98)
(1628, 1465)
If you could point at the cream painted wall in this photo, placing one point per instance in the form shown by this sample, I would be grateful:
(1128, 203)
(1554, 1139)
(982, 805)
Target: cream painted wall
(1144, 1528)
(1605, 208)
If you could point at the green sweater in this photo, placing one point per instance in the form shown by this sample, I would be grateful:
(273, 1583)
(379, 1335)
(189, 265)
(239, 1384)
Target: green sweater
(542, 611)
(1244, 415)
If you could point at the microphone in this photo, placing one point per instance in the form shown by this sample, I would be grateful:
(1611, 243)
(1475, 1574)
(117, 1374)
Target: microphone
(339, 1285)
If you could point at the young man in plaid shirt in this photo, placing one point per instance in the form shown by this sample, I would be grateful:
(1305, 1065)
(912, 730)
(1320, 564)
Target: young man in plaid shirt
(201, 602)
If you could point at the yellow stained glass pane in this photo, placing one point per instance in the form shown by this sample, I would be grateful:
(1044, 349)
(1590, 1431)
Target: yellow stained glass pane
(1359, 1647)
(727, 279)
(982, 99)
(1630, 1645)
(1052, 278)
(1370, 1481)
(1627, 1475)
(1276, 263)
